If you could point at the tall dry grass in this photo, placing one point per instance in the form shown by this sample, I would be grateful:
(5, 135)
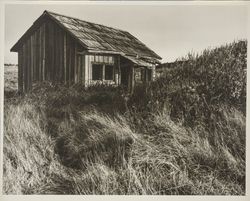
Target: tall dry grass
(172, 137)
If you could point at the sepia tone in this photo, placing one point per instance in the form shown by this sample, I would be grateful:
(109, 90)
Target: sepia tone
(63, 49)
(92, 110)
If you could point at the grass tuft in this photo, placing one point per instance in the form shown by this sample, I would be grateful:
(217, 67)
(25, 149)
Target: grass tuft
(183, 134)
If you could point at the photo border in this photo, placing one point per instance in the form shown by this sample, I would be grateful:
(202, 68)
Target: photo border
(115, 197)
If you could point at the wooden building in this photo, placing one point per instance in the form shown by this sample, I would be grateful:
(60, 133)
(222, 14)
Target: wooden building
(63, 49)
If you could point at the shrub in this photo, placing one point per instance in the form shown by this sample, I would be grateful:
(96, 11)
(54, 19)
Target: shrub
(182, 134)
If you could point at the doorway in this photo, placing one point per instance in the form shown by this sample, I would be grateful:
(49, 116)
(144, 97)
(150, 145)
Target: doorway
(124, 75)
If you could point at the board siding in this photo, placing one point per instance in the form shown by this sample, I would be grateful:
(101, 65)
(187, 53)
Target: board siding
(20, 71)
(50, 54)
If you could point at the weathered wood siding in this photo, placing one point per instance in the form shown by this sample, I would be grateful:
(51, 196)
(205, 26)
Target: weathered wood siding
(48, 54)
(105, 60)
(31, 57)
(60, 55)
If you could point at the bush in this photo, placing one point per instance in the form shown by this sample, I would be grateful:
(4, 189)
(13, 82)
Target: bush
(196, 88)
(183, 134)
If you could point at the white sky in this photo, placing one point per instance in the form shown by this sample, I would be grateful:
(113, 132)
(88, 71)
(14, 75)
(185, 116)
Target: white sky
(171, 31)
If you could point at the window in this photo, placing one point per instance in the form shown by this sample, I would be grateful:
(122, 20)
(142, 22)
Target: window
(138, 77)
(97, 71)
(109, 71)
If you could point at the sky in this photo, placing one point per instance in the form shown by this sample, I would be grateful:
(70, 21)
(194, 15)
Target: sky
(171, 31)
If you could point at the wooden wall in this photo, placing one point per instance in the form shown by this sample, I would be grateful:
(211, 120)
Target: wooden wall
(51, 54)
(102, 59)
(47, 54)
(61, 51)
(31, 59)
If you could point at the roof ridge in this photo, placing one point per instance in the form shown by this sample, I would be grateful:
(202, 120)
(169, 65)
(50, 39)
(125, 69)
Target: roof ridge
(108, 39)
(75, 18)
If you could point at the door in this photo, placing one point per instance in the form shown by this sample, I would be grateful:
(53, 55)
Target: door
(124, 75)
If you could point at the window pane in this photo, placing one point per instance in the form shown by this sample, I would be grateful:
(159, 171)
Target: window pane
(138, 75)
(96, 72)
(109, 72)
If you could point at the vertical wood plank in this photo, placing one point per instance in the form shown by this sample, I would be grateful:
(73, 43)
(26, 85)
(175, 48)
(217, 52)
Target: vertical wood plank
(89, 69)
(55, 72)
(83, 68)
(119, 69)
(61, 56)
(48, 51)
(37, 55)
(75, 64)
(69, 65)
(43, 50)
(20, 70)
(24, 67)
(29, 65)
(72, 61)
(34, 56)
(64, 58)
(52, 64)
(78, 66)
(57, 54)
(86, 77)
(32, 59)
(103, 72)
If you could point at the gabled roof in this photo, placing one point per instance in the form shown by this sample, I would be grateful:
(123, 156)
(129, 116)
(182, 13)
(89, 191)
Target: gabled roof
(100, 38)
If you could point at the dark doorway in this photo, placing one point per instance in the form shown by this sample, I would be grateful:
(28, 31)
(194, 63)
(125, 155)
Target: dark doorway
(149, 75)
(124, 75)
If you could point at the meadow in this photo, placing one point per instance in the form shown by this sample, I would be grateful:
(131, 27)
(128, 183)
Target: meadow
(183, 134)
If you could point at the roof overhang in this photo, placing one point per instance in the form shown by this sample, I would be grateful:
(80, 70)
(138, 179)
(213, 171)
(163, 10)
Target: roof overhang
(139, 60)
(142, 61)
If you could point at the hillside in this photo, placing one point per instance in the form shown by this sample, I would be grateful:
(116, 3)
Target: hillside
(183, 134)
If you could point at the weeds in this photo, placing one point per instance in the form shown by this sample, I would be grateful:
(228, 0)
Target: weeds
(183, 134)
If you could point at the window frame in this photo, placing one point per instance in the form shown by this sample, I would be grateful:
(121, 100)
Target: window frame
(103, 71)
(113, 72)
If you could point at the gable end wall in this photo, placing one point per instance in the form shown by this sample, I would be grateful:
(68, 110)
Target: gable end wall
(47, 54)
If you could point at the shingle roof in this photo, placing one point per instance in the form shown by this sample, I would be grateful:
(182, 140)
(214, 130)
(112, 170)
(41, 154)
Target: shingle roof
(102, 38)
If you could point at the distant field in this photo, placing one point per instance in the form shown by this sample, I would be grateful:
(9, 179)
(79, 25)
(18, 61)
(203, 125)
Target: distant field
(10, 78)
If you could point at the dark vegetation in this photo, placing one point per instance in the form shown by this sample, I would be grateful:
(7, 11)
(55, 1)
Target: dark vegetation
(181, 134)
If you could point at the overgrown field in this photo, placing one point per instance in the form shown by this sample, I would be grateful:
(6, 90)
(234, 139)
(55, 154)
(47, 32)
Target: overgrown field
(10, 80)
(183, 134)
